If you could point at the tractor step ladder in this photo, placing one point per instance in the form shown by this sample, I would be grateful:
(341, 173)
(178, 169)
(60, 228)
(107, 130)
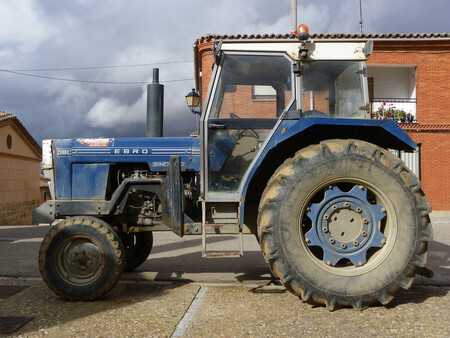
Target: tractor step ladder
(220, 254)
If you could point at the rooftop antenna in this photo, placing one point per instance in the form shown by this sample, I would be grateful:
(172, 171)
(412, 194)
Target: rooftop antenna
(360, 16)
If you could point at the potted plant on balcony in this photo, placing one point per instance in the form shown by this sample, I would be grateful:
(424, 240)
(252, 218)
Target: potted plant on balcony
(410, 118)
(392, 113)
(401, 115)
(381, 113)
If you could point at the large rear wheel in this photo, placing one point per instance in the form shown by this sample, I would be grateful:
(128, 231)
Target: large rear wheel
(81, 258)
(344, 223)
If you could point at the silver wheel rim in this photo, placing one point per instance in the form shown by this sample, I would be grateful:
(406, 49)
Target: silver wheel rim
(80, 260)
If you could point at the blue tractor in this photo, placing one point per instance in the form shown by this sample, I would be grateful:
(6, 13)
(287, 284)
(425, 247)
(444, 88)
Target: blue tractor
(286, 150)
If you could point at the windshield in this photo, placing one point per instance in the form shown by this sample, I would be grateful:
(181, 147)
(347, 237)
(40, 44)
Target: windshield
(253, 86)
(334, 88)
(252, 92)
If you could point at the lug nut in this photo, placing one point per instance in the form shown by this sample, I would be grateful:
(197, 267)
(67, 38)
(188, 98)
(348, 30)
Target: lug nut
(358, 210)
(364, 233)
(334, 207)
(355, 243)
(343, 246)
(346, 204)
(325, 229)
(326, 216)
(331, 241)
(365, 220)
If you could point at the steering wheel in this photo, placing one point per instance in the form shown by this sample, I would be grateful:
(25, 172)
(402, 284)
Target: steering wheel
(252, 132)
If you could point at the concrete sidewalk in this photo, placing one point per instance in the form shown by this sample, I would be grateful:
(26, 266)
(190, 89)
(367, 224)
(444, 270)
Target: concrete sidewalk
(438, 251)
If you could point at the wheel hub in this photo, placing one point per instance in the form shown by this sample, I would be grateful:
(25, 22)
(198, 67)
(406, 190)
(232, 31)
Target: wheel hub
(345, 225)
(82, 260)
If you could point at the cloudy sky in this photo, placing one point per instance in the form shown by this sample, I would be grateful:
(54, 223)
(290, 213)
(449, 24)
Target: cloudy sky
(117, 41)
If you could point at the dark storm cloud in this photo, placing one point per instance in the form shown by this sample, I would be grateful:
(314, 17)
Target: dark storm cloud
(82, 33)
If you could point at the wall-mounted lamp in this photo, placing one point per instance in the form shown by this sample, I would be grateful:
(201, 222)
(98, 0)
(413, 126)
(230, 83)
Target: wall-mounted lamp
(193, 100)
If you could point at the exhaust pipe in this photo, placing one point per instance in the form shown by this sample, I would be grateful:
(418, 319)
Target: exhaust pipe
(155, 106)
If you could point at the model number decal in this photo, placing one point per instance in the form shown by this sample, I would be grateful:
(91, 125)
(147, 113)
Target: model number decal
(165, 164)
(64, 152)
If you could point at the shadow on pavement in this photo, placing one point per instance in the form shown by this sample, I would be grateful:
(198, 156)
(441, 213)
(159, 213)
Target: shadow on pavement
(416, 295)
(128, 303)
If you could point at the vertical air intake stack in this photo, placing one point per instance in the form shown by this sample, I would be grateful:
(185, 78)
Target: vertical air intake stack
(155, 106)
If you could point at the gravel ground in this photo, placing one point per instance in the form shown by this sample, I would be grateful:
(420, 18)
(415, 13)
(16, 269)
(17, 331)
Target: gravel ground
(155, 310)
(420, 312)
(129, 310)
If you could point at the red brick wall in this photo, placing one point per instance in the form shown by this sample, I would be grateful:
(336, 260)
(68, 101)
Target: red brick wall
(435, 166)
(205, 59)
(432, 62)
(243, 105)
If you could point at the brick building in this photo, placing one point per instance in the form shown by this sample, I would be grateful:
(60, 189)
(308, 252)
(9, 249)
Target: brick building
(408, 71)
(20, 158)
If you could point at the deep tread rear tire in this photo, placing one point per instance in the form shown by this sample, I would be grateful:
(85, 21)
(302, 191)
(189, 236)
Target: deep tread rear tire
(81, 258)
(294, 188)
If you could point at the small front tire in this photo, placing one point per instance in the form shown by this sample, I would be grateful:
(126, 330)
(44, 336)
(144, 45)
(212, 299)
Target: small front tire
(81, 258)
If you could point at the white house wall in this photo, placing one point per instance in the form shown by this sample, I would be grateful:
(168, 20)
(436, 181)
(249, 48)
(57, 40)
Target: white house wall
(393, 82)
(395, 85)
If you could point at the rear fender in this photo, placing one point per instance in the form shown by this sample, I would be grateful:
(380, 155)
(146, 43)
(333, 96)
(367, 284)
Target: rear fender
(293, 135)
(384, 133)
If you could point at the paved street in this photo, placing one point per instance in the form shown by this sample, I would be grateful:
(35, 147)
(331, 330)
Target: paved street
(177, 293)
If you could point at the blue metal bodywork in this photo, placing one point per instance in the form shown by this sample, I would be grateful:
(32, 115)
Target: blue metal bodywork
(298, 133)
(82, 165)
(384, 133)
(398, 139)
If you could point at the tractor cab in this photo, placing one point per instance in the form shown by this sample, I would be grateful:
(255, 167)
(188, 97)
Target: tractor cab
(256, 86)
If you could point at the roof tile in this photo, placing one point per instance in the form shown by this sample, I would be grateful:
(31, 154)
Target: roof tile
(327, 36)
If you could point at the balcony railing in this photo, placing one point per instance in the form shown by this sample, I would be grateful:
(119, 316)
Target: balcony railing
(397, 109)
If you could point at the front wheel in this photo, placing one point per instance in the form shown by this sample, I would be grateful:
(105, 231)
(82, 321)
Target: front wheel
(344, 223)
(138, 246)
(81, 258)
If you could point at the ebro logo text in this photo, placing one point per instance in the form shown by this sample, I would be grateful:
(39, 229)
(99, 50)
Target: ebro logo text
(133, 151)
